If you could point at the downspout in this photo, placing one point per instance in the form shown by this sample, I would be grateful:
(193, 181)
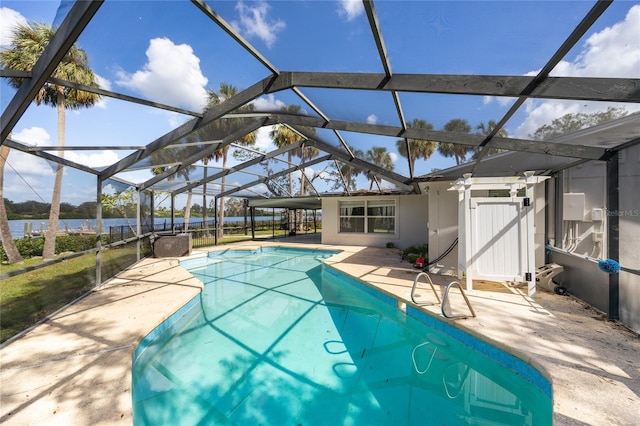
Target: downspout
(559, 194)
(547, 214)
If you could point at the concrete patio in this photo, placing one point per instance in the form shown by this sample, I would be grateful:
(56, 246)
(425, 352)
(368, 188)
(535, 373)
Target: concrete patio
(75, 368)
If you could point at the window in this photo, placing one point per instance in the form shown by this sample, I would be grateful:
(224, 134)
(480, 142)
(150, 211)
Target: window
(373, 217)
(381, 217)
(351, 216)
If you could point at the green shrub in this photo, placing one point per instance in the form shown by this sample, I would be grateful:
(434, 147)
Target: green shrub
(75, 243)
(30, 247)
(413, 252)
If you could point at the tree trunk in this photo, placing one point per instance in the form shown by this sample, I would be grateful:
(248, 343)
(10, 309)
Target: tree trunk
(187, 210)
(5, 232)
(49, 250)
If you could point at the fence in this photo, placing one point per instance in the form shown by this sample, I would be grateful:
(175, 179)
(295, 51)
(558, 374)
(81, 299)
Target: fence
(203, 232)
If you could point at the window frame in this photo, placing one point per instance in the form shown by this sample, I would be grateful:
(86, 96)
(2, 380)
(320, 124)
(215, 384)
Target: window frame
(345, 220)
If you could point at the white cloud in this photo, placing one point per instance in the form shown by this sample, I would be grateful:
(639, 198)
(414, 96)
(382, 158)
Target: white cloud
(612, 52)
(105, 84)
(501, 100)
(268, 103)
(372, 119)
(32, 136)
(261, 188)
(38, 136)
(104, 158)
(544, 113)
(393, 156)
(10, 19)
(350, 9)
(263, 140)
(255, 22)
(309, 172)
(27, 164)
(171, 75)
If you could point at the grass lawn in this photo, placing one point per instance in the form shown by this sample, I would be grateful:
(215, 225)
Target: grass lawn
(27, 298)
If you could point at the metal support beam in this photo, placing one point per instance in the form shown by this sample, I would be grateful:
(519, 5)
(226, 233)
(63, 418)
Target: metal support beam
(276, 175)
(66, 35)
(189, 127)
(185, 163)
(200, 4)
(49, 157)
(542, 77)
(511, 144)
(613, 232)
(241, 166)
(385, 174)
(99, 231)
(512, 86)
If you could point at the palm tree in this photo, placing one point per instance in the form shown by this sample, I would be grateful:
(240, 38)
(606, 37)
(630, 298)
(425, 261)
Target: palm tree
(485, 129)
(458, 151)
(282, 136)
(349, 173)
(27, 44)
(419, 148)
(5, 232)
(225, 92)
(379, 156)
(168, 155)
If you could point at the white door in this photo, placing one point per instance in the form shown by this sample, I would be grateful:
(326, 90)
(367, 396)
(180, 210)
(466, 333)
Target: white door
(498, 239)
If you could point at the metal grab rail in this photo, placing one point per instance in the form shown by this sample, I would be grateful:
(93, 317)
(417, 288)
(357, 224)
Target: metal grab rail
(415, 283)
(444, 300)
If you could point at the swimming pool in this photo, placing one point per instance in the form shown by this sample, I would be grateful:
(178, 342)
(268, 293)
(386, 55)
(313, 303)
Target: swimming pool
(277, 338)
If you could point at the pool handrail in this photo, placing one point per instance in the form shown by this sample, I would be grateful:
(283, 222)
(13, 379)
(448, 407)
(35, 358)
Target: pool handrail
(466, 299)
(415, 283)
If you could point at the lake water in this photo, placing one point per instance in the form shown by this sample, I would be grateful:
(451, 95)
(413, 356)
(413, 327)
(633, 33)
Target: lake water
(18, 226)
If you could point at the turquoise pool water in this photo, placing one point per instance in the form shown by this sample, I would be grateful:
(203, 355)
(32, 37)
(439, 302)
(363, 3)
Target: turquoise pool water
(277, 338)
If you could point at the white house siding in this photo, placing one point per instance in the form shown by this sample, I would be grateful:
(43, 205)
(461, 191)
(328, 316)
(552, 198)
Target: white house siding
(411, 223)
(443, 227)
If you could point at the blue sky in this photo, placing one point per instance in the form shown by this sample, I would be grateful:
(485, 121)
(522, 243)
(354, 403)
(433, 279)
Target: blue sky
(169, 52)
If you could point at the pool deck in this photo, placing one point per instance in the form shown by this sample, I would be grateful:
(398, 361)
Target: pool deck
(75, 368)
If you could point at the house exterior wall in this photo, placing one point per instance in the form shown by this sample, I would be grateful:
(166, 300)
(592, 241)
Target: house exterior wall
(443, 227)
(629, 217)
(411, 223)
(581, 275)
